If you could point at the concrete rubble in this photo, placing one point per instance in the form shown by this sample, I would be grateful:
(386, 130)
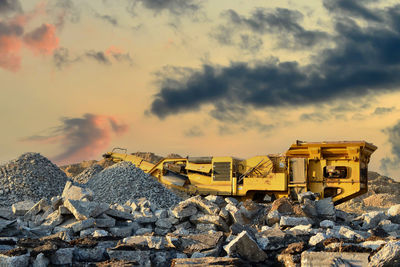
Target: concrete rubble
(78, 227)
(74, 230)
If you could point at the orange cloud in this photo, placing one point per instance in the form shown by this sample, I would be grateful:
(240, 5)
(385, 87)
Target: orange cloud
(9, 53)
(42, 40)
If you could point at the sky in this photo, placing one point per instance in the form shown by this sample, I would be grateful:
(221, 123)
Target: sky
(198, 77)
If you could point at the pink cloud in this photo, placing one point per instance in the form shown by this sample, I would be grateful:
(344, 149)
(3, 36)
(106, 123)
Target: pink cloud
(42, 40)
(82, 138)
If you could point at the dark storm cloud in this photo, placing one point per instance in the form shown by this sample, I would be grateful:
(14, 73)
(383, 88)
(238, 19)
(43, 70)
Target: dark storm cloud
(281, 21)
(176, 7)
(364, 61)
(82, 138)
(7, 6)
(389, 163)
(352, 8)
(383, 110)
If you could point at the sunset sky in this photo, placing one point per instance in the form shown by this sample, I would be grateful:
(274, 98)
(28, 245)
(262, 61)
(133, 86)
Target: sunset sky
(198, 77)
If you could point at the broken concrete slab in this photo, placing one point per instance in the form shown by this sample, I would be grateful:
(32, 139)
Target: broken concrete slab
(220, 201)
(22, 207)
(389, 255)
(42, 205)
(199, 242)
(95, 254)
(41, 261)
(7, 213)
(317, 259)
(142, 258)
(118, 214)
(326, 208)
(63, 256)
(164, 223)
(213, 219)
(104, 221)
(273, 217)
(76, 192)
(184, 210)
(327, 224)
(204, 205)
(288, 221)
(372, 219)
(283, 206)
(246, 247)
(13, 261)
(121, 231)
(83, 210)
(394, 210)
(81, 225)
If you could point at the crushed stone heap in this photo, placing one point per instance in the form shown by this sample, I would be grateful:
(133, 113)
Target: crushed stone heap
(30, 177)
(123, 181)
(87, 174)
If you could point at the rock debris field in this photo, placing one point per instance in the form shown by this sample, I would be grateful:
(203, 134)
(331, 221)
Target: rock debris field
(119, 216)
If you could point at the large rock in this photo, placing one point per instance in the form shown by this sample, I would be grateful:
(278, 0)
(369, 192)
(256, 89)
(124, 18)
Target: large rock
(273, 217)
(81, 225)
(63, 256)
(249, 208)
(317, 239)
(41, 261)
(213, 219)
(394, 210)
(83, 210)
(246, 247)
(147, 242)
(204, 205)
(200, 242)
(118, 214)
(389, 255)
(96, 254)
(76, 193)
(287, 221)
(326, 208)
(184, 210)
(237, 215)
(317, 259)
(42, 205)
(13, 261)
(372, 219)
(142, 258)
(283, 206)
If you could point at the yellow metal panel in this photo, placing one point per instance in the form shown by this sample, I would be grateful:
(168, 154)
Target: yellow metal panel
(206, 168)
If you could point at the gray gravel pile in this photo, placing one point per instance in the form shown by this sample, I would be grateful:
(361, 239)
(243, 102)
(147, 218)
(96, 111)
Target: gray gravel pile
(30, 177)
(87, 174)
(123, 181)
